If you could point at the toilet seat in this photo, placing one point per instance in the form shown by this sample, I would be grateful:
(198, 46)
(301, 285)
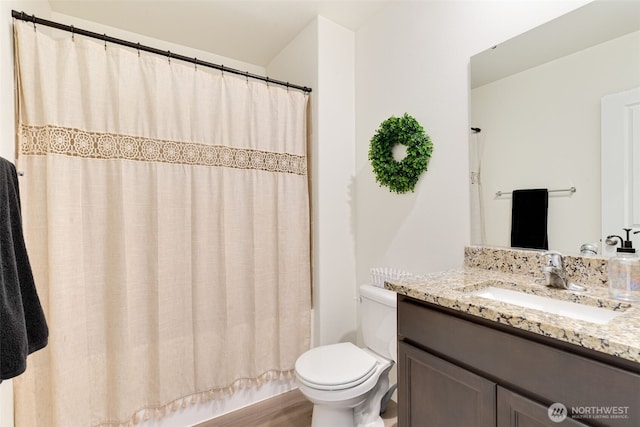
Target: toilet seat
(335, 367)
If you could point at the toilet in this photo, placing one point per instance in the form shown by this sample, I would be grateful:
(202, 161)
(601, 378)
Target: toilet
(346, 383)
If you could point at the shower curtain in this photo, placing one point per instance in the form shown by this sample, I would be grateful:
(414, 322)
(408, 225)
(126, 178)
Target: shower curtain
(166, 215)
(478, 227)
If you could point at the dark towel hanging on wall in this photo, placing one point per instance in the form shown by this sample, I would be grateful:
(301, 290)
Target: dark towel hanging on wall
(529, 219)
(23, 328)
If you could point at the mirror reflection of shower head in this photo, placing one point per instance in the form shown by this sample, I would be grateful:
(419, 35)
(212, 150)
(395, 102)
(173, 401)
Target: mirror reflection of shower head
(611, 240)
(589, 249)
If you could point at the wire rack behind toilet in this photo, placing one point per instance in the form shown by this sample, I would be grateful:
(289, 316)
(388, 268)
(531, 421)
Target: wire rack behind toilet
(381, 274)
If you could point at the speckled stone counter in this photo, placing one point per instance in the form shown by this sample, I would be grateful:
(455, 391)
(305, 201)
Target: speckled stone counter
(519, 270)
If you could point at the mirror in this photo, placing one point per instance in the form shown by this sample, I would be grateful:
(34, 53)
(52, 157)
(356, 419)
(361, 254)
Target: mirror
(536, 101)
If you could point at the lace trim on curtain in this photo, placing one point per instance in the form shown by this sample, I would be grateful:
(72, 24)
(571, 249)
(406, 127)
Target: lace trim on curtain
(162, 410)
(49, 139)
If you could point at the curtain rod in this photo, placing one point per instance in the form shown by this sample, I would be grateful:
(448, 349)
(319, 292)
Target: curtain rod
(107, 39)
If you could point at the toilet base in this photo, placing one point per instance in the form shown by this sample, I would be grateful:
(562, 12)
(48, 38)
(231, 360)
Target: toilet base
(357, 411)
(324, 416)
(377, 423)
(367, 414)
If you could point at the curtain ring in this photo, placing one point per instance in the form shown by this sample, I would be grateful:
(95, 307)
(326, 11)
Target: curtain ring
(267, 79)
(73, 34)
(222, 69)
(287, 86)
(105, 41)
(195, 61)
(247, 77)
(34, 22)
(138, 49)
(169, 56)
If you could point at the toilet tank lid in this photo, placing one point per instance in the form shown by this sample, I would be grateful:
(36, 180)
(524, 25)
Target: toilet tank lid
(378, 294)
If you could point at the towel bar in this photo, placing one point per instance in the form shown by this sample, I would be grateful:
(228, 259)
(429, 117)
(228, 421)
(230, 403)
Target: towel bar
(502, 193)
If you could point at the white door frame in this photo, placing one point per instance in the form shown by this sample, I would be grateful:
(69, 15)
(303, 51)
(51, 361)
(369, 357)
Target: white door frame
(620, 164)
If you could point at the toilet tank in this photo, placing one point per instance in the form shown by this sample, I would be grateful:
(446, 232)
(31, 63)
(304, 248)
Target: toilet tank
(378, 320)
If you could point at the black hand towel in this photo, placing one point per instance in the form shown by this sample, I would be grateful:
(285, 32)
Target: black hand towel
(23, 328)
(529, 219)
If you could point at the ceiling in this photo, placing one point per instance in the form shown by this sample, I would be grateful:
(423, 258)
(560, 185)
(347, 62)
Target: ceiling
(587, 26)
(252, 31)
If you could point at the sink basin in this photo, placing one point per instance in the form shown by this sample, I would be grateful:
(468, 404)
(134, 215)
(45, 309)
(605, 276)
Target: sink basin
(598, 315)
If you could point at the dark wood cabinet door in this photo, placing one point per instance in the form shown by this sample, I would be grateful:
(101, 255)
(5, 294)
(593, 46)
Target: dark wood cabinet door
(436, 393)
(514, 410)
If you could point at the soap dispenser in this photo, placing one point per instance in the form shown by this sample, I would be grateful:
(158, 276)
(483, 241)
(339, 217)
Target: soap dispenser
(624, 270)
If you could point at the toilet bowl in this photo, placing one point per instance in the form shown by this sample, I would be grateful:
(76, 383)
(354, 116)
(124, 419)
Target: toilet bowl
(346, 383)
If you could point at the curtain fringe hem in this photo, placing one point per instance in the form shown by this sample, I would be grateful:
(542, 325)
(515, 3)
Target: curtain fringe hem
(159, 411)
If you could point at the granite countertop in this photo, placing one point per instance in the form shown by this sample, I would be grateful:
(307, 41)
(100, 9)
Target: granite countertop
(452, 289)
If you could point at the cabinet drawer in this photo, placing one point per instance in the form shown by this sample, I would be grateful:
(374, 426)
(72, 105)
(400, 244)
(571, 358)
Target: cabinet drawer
(540, 371)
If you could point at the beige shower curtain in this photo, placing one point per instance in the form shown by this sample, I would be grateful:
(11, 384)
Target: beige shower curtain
(166, 217)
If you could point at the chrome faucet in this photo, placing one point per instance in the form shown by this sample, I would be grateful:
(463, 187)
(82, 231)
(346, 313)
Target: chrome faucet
(555, 274)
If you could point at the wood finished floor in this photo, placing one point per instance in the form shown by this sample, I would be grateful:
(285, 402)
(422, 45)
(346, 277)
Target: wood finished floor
(290, 409)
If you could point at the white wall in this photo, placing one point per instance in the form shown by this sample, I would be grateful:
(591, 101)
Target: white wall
(331, 48)
(298, 62)
(541, 129)
(414, 57)
(336, 263)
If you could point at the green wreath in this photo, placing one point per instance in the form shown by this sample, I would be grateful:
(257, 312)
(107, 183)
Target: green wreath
(400, 176)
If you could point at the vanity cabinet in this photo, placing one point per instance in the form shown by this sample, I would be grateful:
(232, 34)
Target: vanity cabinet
(439, 393)
(455, 369)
